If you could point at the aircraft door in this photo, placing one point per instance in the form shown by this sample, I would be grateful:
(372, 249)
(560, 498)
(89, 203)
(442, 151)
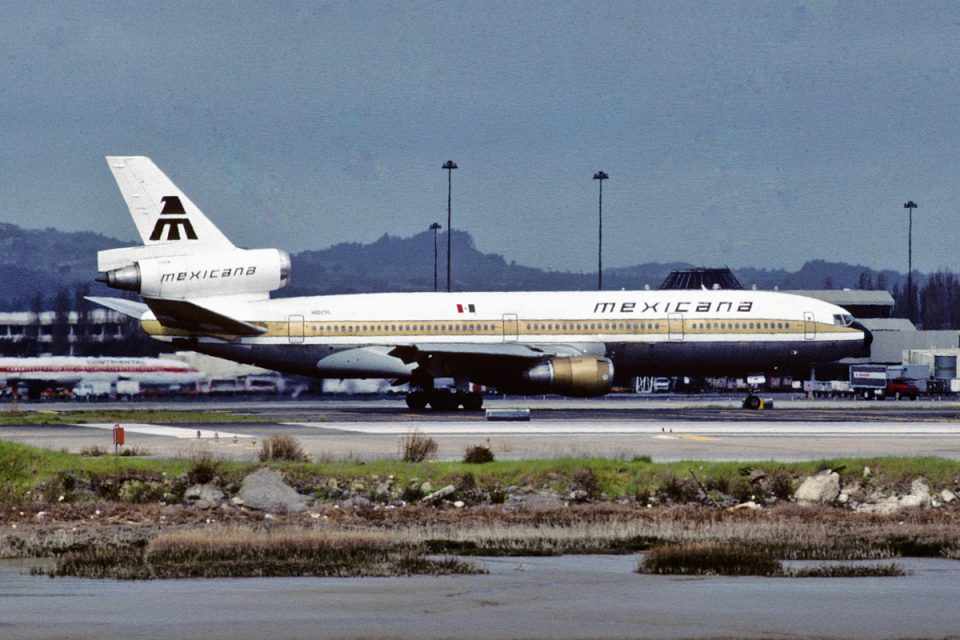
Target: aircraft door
(809, 326)
(510, 327)
(295, 329)
(675, 327)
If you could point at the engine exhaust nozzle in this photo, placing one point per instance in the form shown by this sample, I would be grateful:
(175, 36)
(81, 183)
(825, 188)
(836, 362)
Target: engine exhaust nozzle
(126, 278)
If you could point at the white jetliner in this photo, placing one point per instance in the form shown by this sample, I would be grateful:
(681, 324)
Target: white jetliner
(69, 370)
(203, 293)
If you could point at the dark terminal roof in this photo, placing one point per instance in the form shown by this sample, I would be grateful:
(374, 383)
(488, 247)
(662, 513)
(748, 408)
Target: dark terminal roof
(701, 279)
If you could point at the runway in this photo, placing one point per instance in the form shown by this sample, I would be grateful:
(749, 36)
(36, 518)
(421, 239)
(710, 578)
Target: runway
(655, 428)
(665, 429)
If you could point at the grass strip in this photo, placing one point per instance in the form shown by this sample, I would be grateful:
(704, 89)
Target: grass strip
(158, 416)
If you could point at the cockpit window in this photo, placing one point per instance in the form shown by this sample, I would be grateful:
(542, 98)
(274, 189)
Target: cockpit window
(842, 319)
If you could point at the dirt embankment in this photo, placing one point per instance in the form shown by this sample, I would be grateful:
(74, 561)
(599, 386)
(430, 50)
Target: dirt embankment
(104, 509)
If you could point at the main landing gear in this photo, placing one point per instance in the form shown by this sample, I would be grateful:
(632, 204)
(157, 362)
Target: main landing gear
(756, 403)
(444, 400)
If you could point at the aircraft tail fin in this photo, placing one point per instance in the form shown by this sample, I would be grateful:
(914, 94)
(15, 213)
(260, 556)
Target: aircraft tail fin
(162, 212)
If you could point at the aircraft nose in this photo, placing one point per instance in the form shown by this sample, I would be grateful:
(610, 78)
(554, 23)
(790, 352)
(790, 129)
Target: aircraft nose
(867, 337)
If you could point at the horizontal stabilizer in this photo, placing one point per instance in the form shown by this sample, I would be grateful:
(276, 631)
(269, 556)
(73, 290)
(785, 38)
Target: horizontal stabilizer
(189, 316)
(130, 308)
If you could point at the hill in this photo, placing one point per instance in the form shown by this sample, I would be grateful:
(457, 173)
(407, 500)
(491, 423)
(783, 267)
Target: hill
(34, 260)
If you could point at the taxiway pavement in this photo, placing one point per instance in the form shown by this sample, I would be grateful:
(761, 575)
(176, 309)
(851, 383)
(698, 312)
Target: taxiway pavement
(684, 428)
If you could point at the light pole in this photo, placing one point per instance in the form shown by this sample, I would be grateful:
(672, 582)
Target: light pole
(910, 205)
(600, 176)
(449, 165)
(435, 227)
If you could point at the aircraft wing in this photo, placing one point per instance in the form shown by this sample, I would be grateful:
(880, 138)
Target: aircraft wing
(181, 314)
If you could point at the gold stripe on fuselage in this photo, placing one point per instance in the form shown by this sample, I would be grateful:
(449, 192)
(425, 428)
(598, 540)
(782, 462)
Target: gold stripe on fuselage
(524, 328)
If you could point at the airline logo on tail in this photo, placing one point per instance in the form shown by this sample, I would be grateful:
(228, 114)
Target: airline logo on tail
(173, 207)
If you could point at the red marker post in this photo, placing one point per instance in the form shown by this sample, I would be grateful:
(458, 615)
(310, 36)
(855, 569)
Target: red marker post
(118, 438)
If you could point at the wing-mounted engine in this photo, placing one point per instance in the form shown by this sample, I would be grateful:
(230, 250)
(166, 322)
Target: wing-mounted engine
(573, 376)
(198, 275)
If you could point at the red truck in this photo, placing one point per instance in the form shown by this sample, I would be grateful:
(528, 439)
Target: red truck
(901, 388)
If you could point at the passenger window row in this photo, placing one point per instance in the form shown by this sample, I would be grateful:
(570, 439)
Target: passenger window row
(403, 328)
(741, 325)
(593, 326)
(444, 328)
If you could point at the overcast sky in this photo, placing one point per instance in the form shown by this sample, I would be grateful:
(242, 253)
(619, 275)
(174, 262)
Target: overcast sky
(755, 133)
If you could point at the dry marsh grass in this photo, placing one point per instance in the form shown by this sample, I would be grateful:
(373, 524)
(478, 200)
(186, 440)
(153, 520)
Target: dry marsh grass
(216, 552)
(94, 451)
(204, 468)
(789, 533)
(416, 447)
(731, 559)
(282, 447)
(889, 570)
(478, 454)
(134, 451)
(710, 559)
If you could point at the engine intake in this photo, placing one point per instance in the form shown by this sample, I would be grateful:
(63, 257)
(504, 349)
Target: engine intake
(223, 273)
(580, 376)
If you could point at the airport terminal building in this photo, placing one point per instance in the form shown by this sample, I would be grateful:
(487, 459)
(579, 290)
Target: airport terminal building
(30, 333)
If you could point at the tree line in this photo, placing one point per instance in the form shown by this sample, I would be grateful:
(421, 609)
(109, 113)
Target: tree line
(930, 301)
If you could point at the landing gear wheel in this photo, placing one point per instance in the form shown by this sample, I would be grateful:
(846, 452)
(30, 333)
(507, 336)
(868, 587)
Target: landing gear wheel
(417, 400)
(752, 402)
(472, 402)
(442, 401)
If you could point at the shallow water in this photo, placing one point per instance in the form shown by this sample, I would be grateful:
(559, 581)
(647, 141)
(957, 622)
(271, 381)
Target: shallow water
(561, 597)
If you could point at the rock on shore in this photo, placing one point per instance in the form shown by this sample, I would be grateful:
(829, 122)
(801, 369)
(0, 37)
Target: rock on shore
(919, 496)
(265, 490)
(203, 496)
(823, 488)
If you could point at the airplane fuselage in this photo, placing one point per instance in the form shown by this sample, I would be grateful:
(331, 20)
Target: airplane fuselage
(643, 332)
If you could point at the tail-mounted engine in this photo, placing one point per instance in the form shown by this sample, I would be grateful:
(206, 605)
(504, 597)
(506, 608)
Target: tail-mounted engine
(210, 274)
(579, 376)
